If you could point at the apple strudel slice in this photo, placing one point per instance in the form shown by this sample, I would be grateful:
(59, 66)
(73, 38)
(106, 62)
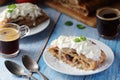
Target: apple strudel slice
(23, 14)
(78, 52)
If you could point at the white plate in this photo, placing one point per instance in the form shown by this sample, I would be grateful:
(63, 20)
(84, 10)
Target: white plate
(64, 68)
(39, 28)
(36, 29)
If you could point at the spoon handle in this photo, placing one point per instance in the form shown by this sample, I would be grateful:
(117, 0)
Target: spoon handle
(43, 76)
(34, 77)
(30, 76)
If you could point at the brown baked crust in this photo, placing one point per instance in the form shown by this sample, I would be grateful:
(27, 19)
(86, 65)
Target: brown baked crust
(70, 57)
(84, 7)
(27, 20)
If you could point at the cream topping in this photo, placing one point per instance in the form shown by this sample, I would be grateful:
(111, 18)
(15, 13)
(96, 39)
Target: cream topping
(86, 48)
(22, 9)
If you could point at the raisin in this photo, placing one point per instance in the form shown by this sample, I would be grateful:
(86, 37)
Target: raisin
(70, 58)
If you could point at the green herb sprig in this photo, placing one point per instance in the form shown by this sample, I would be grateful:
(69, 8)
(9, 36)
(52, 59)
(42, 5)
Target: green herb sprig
(11, 8)
(79, 39)
(68, 23)
(83, 38)
(79, 26)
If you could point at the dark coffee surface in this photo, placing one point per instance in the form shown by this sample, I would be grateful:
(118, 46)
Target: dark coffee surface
(110, 15)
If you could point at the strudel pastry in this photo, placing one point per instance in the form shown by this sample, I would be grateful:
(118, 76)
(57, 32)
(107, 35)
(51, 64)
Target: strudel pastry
(23, 14)
(84, 7)
(78, 52)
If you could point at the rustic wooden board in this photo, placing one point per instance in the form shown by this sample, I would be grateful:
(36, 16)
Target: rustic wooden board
(89, 20)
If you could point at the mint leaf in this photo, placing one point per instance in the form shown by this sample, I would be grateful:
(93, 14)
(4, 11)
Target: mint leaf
(77, 40)
(11, 8)
(68, 23)
(80, 26)
(83, 38)
(10, 11)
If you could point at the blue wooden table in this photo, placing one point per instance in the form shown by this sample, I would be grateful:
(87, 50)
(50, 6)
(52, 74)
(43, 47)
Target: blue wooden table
(36, 45)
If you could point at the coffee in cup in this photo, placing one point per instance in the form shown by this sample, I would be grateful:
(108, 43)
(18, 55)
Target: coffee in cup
(108, 20)
(9, 39)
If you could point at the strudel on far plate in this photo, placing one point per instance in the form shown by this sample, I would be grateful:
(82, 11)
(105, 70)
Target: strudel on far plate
(23, 14)
(84, 7)
(78, 52)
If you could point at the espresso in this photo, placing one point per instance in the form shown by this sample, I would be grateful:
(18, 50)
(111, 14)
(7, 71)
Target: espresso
(9, 40)
(109, 15)
(108, 22)
(9, 47)
(108, 28)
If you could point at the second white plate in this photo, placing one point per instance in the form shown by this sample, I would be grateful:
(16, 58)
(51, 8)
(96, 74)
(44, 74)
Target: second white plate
(39, 28)
(64, 68)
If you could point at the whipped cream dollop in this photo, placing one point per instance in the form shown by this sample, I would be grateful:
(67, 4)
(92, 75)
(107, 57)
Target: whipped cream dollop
(22, 9)
(86, 47)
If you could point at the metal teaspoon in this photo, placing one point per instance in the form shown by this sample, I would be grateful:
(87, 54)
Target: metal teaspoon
(17, 69)
(32, 65)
